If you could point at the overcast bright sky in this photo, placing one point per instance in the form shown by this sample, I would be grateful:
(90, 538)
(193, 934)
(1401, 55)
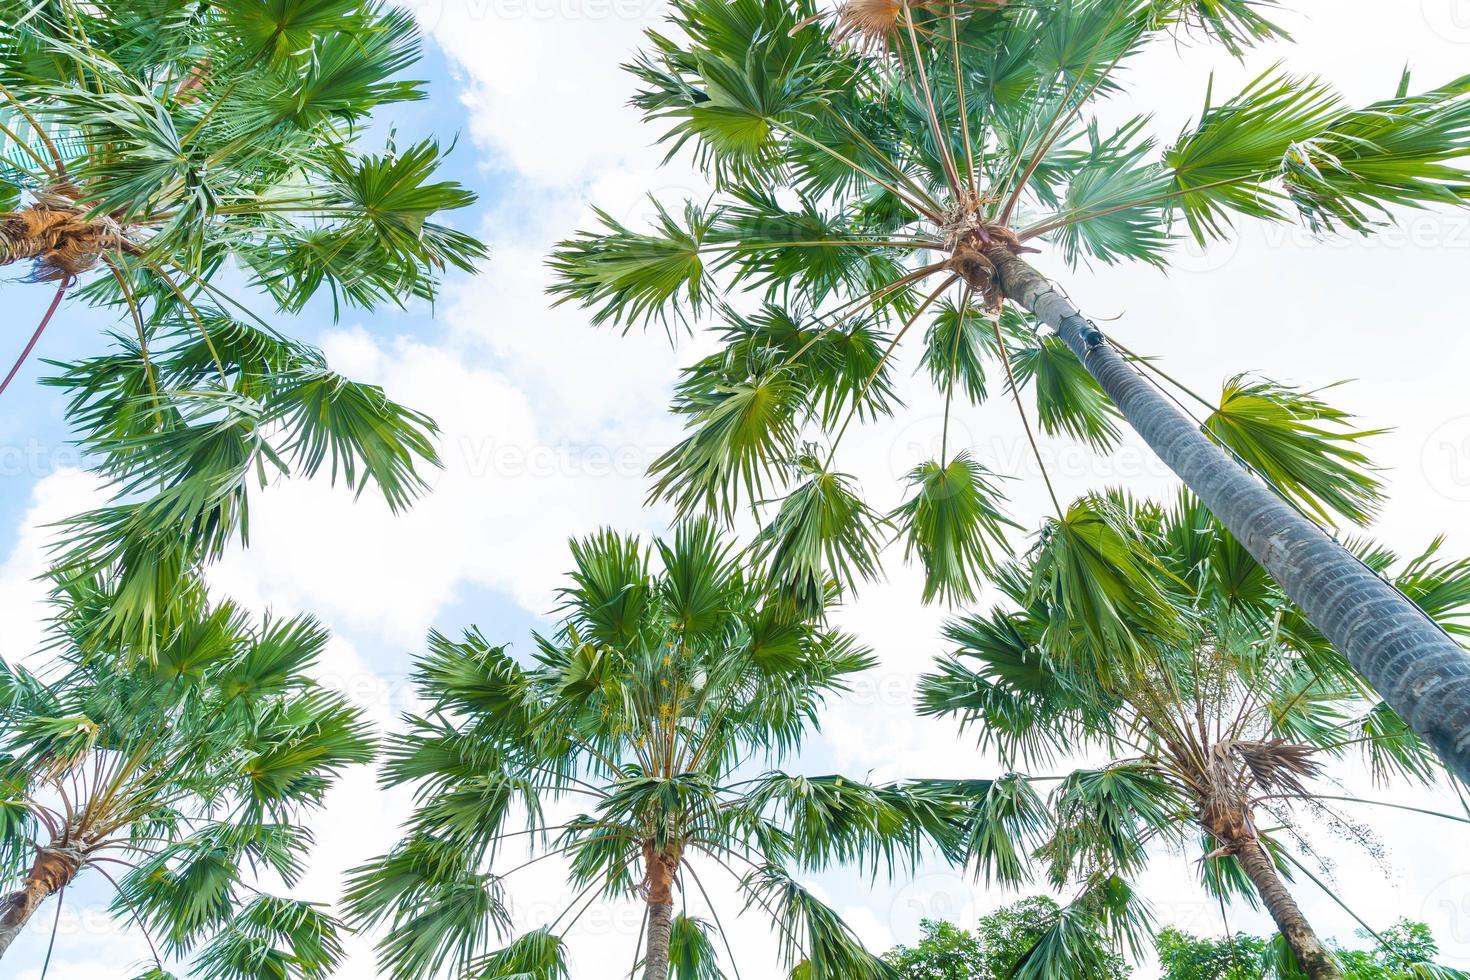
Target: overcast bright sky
(549, 425)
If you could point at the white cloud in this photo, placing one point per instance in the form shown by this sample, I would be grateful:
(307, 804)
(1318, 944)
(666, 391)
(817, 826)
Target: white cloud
(519, 478)
(22, 596)
(548, 425)
(545, 89)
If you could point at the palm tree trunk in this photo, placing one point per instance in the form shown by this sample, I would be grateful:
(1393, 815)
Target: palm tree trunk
(53, 869)
(660, 928)
(659, 871)
(19, 241)
(1308, 949)
(16, 910)
(1422, 673)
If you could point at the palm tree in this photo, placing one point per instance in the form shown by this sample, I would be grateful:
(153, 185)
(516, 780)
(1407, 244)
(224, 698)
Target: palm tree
(180, 781)
(885, 165)
(158, 142)
(664, 688)
(1220, 705)
(153, 155)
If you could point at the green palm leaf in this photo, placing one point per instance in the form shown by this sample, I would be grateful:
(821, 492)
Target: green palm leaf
(1100, 582)
(822, 536)
(692, 953)
(955, 525)
(632, 276)
(1305, 447)
(740, 434)
(536, 955)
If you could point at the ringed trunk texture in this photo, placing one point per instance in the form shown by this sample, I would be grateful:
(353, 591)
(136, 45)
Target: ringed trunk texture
(660, 928)
(62, 240)
(1414, 666)
(53, 870)
(1308, 949)
(17, 242)
(659, 871)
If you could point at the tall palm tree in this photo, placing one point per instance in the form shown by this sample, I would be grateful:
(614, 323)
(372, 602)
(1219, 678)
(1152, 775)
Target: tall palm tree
(153, 156)
(1219, 727)
(885, 165)
(655, 703)
(181, 782)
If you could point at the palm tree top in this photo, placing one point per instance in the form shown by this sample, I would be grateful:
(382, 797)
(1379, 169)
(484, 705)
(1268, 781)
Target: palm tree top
(1221, 733)
(171, 138)
(873, 163)
(640, 744)
(153, 155)
(182, 783)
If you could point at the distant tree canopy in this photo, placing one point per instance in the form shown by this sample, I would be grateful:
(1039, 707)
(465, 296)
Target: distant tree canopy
(1406, 951)
(1186, 957)
(997, 949)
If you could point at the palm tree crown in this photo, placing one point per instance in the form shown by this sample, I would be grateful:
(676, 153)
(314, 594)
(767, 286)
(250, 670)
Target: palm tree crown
(151, 153)
(1220, 727)
(665, 690)
(879, 171)
(164, 139)
(859, 193)
(182, 782)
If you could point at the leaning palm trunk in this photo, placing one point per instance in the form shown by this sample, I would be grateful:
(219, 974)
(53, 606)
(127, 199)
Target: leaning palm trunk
(1413, 664)
(53, 870)
(1295, 929)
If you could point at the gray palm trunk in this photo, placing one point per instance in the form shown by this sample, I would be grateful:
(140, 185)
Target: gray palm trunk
(1312, 956)
(54, 868)
(1416, 667)
(16, 910)
(660, 929)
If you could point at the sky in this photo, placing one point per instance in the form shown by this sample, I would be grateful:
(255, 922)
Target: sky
(549, 424)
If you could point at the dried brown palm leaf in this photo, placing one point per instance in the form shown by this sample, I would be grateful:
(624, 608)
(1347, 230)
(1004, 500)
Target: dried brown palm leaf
(1279, 765)
(872, 26)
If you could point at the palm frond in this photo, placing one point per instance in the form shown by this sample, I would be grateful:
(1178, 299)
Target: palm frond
(955, 524)
(813, 937)
(822, 536)
(1302, 445)
(1101, 582)
(636, 277)
(741, 434)
(358, 431)
(692, 954)
(1071, 946)
(1398, 153)
(1068, 400)
(537, 955)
